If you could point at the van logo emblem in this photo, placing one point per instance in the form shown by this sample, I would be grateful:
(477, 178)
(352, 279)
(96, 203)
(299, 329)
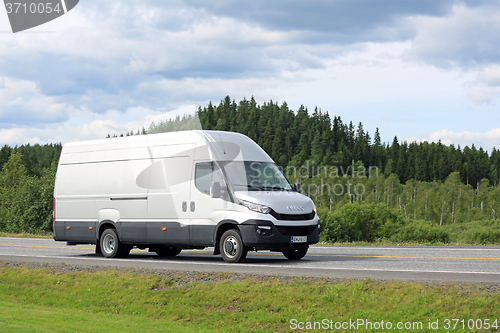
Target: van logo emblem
(295, 208)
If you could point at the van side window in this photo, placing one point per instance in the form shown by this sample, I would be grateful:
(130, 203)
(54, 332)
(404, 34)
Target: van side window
(205, 174)
(204, 177)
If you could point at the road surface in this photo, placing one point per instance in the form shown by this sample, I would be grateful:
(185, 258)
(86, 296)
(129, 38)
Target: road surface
(427, 263)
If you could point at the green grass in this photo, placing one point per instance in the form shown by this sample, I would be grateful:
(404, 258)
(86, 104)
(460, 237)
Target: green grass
(124, 301)
(13, 318)
(48, 235)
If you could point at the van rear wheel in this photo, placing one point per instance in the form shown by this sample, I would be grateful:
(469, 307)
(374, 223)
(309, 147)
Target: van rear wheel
(98, 248)
(295, 254)
(126, 250)
(231, 247)
(111, 246)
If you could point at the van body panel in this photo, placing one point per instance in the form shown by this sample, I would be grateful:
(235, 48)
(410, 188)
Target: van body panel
(108, 214)
(59, 231)
(168, 233)
(288, 203)
(168, 194)
(205, 212)
(133, 232)
(169, 188)
(80, 231)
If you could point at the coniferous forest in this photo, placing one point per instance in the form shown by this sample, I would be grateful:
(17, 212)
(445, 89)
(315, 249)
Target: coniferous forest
(364, 189)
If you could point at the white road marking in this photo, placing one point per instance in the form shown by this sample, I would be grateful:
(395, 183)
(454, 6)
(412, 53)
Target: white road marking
(265, 266)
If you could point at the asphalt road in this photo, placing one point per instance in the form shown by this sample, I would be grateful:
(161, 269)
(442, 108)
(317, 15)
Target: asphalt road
(429, 263)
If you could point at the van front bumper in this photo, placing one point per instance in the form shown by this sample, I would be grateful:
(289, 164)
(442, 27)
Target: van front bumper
(264, 235)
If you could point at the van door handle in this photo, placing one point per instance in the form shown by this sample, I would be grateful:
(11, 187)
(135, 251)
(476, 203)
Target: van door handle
(192, 206)
(184, 206)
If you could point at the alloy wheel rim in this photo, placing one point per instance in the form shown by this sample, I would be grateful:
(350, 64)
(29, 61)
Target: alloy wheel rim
(230, 246)
(108, 244)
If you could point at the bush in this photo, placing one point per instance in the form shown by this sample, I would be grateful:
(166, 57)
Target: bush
(421, 231)
(25, 201)
(482, 232)
(353, 222)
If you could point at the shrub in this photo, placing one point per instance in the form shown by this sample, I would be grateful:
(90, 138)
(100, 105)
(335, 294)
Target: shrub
(353, 222)
(421, 231)
(483, 232)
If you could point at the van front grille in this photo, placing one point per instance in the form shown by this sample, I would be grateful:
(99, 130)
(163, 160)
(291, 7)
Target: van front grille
(296, 231)
(293, 217)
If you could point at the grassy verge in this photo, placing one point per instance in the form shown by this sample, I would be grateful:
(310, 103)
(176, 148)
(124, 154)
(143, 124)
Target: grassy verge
(108, 300)
(49, 319)
(48, 235)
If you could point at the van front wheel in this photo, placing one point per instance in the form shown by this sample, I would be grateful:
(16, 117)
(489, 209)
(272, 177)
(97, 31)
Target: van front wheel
(231, 247)
(111, 247)
(295, 254)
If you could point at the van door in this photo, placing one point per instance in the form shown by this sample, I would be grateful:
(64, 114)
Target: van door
(168, 197)
(206, 212)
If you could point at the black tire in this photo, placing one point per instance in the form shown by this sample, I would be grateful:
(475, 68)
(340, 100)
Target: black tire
(167, 251)
(98, 251)
(231, 247)
(295, 254)
(111, 246)
(126, 250)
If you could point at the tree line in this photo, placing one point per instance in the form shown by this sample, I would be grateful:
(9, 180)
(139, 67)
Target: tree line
(366, 189)
(299, 138)
(35, 158)
(27, 176)
(424, 185)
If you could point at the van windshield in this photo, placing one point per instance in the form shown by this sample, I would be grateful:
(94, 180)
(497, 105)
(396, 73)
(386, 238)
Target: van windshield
(255, 176)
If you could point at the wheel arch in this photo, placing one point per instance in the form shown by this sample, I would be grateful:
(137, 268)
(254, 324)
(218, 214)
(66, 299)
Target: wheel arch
(107, 224)
(222, 227)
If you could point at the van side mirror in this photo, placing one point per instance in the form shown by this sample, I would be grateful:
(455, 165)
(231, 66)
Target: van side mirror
(215, 190)
(297, 187)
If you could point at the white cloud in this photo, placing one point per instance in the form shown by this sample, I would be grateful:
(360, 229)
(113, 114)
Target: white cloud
(490, 76)
(466, 38)
(486, 140)
(180, 112)
(483, 95)
(100, 129)
(134, 119)
(8, 136)
(22, 102)
(109, 67)
(24, 135)
(201, 90)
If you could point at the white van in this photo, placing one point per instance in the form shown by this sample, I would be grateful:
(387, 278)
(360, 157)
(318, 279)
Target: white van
(180, 190)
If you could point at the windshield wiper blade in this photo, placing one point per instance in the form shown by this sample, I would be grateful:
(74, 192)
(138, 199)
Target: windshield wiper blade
(250, 186)
(275, 188)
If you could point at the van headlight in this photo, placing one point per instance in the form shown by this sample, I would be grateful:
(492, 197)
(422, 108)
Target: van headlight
(255, 207)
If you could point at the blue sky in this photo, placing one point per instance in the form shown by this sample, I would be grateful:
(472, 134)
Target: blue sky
(418, 70)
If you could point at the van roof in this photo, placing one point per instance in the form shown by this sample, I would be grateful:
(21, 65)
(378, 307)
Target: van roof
(210, 145)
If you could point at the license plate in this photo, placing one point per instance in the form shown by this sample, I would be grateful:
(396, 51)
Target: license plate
(299, 239)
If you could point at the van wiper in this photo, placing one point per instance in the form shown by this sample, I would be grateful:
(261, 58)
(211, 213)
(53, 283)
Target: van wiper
(257, 188)
(277, 188)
